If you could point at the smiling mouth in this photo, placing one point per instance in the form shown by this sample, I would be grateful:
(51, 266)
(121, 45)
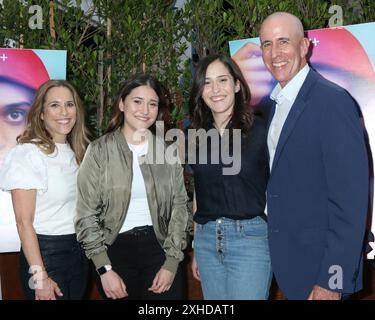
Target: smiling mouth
(217, 98)
(63, 121)
(143, 118)
(279, 65)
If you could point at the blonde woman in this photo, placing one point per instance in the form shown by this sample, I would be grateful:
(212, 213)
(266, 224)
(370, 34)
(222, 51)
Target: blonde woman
(40, 172)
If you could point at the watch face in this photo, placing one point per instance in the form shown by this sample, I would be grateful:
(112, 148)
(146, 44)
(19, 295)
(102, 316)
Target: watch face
(104, 269)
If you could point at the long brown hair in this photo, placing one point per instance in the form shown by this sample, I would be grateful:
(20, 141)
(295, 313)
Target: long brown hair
(36, 131)
(201, 115)
(135, 81)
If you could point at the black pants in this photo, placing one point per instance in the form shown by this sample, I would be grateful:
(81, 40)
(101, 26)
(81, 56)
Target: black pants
(65, 263)
(137, 256)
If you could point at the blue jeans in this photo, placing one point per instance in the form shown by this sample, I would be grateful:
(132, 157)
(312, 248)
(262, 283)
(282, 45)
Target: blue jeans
(233, 259)
(65, 263)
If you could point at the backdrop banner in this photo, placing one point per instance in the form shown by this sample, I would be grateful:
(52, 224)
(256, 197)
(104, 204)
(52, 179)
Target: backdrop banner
(22, 72)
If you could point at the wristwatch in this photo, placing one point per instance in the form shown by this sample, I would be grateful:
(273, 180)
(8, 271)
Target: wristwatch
(104, 269)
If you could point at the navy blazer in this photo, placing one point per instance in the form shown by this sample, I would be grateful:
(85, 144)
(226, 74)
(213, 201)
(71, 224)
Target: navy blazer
(317, 195)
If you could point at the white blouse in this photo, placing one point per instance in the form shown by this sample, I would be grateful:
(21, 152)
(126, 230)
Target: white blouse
(53, 176)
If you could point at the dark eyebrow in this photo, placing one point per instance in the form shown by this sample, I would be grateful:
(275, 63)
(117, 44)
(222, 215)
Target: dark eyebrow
(140, 98)
(11, 106)
(221, 76)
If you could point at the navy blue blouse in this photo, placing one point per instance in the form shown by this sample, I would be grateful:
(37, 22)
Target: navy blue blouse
(239, 196)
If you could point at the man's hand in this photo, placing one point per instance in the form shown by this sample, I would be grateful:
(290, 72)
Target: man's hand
(113, 286)
(319, 293)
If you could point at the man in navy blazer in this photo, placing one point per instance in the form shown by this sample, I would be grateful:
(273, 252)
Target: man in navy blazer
(318, 187)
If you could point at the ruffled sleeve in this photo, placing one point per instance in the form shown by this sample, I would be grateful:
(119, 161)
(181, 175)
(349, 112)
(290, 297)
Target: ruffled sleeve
(24, 168)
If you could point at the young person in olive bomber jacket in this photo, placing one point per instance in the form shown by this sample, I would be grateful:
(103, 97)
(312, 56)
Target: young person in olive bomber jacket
(132, 218)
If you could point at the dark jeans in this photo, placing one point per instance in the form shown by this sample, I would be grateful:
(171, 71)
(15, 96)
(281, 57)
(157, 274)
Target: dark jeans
(137, 256)
(65, 263)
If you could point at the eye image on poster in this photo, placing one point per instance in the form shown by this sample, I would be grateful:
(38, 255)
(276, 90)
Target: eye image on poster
(344, 55)
(22, 72)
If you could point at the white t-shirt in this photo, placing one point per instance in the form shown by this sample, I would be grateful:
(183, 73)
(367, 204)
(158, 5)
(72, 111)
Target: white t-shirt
(138, 212)
(54, 177)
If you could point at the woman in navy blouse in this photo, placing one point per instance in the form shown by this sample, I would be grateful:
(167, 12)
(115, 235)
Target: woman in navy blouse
(231, 254)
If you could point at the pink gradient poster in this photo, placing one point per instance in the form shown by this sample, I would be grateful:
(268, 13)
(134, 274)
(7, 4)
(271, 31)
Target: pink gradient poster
(22, 71)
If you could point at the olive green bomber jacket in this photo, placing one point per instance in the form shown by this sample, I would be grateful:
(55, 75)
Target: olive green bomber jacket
(104, 187)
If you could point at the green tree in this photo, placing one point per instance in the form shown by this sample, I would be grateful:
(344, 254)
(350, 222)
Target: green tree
(115, 39)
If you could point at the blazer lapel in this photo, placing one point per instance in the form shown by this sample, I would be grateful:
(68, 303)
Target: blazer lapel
(289, 124)
(294, 114)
